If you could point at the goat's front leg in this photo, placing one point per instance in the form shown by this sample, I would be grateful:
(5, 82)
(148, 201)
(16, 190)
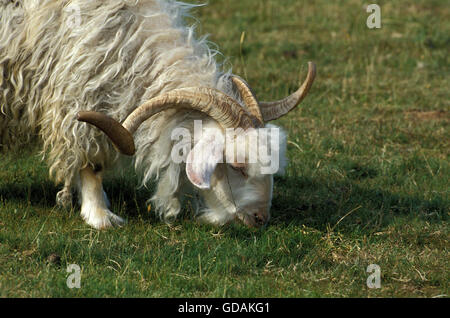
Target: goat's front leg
(94, 203)
(64, 197)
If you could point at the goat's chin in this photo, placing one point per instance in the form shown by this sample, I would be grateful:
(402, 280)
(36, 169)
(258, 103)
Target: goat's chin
(215, 217)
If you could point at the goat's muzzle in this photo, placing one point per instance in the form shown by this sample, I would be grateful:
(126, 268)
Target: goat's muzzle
(254, 219)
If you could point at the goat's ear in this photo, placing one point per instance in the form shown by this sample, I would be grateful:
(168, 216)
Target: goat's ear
(203, 159)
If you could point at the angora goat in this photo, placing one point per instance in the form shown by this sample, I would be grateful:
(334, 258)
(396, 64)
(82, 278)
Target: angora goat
(135, 63)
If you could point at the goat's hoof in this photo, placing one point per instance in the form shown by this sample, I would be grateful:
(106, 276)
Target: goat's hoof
(102, 219)
(64, 198)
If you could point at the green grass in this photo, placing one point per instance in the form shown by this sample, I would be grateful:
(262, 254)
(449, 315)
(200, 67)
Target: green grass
(367, 181)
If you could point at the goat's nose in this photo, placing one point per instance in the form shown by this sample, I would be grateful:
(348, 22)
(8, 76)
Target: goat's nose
(261, 218)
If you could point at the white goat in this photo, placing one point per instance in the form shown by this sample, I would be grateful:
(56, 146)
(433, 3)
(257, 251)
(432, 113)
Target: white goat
(132, 62)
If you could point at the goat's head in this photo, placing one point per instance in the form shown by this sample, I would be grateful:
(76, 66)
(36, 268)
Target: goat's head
(234, 188)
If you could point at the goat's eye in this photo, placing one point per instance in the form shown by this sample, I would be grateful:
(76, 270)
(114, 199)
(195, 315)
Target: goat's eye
(241, 170)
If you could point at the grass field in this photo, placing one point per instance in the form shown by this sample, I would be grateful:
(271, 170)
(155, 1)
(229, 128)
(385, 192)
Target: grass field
(367, 181)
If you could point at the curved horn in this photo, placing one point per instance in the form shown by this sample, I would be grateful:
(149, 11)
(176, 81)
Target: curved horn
(225, 110)
(249, 98)
(276, 109)
(120, 137)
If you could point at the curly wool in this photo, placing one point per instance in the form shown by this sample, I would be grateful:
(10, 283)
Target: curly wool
(120, 55)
